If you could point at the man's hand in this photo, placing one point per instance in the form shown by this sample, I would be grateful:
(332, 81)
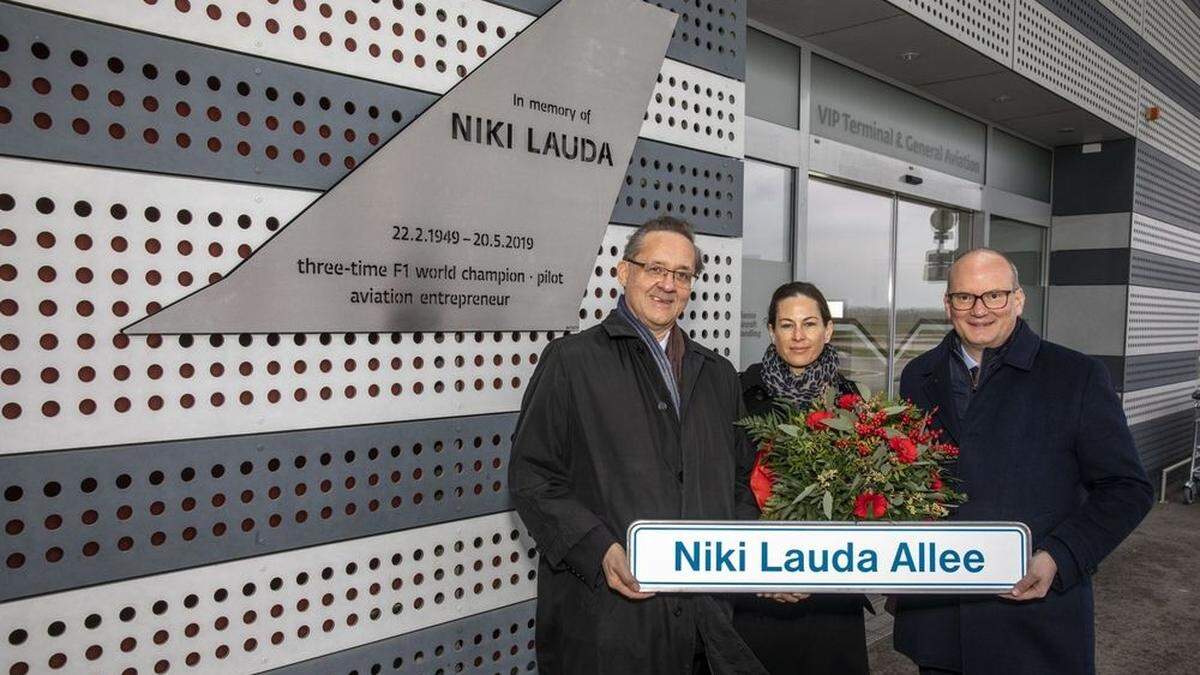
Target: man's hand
(785, 597)
(1036, 582)
(618, 575)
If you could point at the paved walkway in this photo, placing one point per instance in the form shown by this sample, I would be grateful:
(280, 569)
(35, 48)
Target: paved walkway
(1147, 601)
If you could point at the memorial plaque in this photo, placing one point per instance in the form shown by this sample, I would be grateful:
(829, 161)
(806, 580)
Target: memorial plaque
(484, 213)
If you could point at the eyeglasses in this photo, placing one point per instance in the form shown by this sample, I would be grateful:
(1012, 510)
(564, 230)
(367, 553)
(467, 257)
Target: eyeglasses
(682, 277)
(997, 299)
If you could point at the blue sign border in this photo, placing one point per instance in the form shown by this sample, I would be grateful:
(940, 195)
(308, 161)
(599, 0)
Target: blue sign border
(1021, 529)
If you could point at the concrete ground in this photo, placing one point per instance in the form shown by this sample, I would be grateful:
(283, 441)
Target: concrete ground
(1147, 601)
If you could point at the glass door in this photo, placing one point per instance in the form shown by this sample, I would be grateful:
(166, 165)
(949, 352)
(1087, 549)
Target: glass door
(928, 239)
(883, 260)
(848, 255)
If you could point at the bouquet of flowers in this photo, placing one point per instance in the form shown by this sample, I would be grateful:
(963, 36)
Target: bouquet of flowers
(850, 458)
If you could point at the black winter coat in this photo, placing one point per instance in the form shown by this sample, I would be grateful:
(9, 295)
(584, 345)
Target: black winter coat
(1044, 442)
(598, 446)
(824, 633)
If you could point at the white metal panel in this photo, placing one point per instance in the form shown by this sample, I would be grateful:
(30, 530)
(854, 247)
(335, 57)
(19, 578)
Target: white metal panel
(427, 45)
(1174, 132)
(1162, 238)
(986, 25)
(1148, 404)
(265, 612)
(712, 315)
(70, 372)
(1162, 321)
(696, 109)
(1130, 11)
(1052, 53)
(1173, 28)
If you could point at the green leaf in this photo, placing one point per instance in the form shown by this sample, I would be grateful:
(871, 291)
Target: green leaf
(839, 423)
(789, 429)
(895, 410)
(864, 391)
(827, 505)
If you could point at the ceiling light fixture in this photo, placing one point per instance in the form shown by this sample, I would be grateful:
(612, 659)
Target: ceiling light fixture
(1003, 98)
(1066, 130)
(909, 56)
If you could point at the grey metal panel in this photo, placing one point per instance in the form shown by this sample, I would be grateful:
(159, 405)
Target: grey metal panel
(498, 641)
(80, 517)
(1167, 189)
(1160, 271)
(1155, 370)
(709, 35)
(1090, 319)
(703, 188)
(126, 99)
(772, 79)
(1093, 230)
(1096, 182)
(1089, 267)
(1170, 80)
(1102, 26)
(1163, 440)
(1017, 166)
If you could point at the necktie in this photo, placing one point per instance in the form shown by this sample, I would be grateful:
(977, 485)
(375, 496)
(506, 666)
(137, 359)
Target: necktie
(974, 377)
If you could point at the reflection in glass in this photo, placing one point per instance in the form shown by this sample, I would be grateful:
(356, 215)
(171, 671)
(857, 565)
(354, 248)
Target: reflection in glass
(847, 255)
(1025, 245)
(928, 238)
(766, 249)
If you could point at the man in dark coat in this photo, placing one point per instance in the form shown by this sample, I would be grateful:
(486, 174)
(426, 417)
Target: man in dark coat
(624, 421)
(1043, 441)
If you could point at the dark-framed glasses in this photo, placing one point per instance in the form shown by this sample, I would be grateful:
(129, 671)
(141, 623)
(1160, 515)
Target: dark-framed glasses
(997, 299)
(682, 277)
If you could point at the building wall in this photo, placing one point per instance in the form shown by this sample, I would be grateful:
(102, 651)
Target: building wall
(1123, 272)
(312, 503)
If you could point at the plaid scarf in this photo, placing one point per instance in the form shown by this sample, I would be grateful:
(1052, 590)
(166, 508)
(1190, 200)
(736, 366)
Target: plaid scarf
(670, 364)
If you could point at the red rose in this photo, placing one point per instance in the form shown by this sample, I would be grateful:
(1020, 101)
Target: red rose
(816, 419)
(762, 480)
(847, 401)
(935, 481)
(870, 505)
(905, 449)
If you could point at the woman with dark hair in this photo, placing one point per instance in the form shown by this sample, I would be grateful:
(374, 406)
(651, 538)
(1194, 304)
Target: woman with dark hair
(793, 633)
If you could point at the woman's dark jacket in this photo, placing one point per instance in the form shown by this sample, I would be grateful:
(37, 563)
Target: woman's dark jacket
(822, 634)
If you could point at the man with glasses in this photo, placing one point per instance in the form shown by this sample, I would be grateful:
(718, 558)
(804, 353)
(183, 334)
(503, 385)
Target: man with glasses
(1043, 440)
(624, 421)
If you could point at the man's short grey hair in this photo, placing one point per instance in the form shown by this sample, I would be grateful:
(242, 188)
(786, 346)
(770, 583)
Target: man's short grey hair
(983, 249)
(663, 224)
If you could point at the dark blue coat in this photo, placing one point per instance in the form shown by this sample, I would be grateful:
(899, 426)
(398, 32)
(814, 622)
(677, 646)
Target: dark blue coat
(1044, 442)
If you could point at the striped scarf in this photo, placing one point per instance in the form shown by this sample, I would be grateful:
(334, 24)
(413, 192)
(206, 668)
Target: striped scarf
(660, 357)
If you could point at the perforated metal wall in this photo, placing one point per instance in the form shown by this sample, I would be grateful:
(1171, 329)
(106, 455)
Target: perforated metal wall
(81, 517)
(1146, 404)
(426, 45)
(1173, 28)
(1164, 440)
(318, 503)
(269, 611)
(710, 34)
(1129, 11)
(985, 25)
(713, 314)
(1174, 131)
(705, 189)
(1162, 238)
(1098, 24)
(1055, 55)
(1162, 320)
(498, 641)
(1155, 370)
(106, 96)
